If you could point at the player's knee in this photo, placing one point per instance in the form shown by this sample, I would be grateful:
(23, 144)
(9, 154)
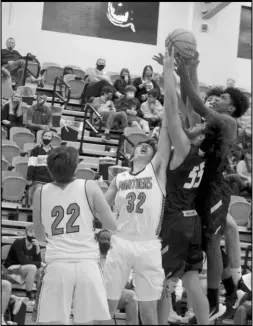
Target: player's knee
(231, 225)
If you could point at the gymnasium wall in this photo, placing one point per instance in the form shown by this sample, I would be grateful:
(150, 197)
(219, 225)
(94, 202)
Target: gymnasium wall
(218, 48)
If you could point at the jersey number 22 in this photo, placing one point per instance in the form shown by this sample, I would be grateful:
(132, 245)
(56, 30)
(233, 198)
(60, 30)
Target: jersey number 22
(58, 212)
(195, 175)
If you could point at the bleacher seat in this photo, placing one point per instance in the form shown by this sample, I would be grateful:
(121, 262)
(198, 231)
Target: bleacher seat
(53, 70)
(11, 174)
(240, 211)
(5, 251)
(14, 130)
(5, 164)
(84, 173)
(28, 148)
(9, 151)
(20, 165)
(13, 188)
(237, 198)
(76, 86)
(21, 138)
(4, 134)
(77, 70)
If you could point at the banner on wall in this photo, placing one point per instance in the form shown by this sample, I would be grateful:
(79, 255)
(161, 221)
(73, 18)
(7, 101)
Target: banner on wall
(122, 21)
(245, 38)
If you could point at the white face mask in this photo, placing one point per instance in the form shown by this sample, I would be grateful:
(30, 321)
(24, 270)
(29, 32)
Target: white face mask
(130, 95)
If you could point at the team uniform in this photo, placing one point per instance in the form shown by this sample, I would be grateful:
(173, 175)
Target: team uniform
(181, 229)
(73, 275)
(135, 245)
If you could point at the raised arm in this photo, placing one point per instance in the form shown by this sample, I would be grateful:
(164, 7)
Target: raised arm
(176, 133)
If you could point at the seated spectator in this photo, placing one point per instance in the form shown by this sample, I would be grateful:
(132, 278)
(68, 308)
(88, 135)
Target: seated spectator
(15, 63)
(24, 261)
(6, 294)
(122, 82)
(152, 109)
(230, 82)
(131, 106)
(145, 83)
(97, 74)
(105, 107)
(244, 168)
(39, 115)
(37, 172)
(244, 311)
(12, 113)
(127, 301)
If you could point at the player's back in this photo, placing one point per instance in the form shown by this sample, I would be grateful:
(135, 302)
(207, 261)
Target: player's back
(183, 182)
(68, 222)
(139, 202)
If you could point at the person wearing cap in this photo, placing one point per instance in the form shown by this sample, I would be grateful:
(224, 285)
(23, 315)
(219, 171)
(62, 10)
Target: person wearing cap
(24, 260)
(131, 106)
(97, 74)
(105, 107)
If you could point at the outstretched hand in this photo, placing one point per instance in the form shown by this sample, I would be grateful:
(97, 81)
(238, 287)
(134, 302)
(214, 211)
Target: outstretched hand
(158, 58)
(181, 68)
(168, 60)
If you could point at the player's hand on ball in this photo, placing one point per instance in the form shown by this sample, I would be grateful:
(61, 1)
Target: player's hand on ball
(158, 58)
(195, 60)
(181, 68)
(168, 61)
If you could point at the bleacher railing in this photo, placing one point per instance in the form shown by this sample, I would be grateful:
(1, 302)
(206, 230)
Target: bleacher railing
(63, 86)
(28, 58)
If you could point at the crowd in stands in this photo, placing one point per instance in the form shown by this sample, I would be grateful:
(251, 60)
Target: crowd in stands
(134, 102)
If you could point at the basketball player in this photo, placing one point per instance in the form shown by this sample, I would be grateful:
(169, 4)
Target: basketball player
(139, 199)
(214, 193)
(182, 254)
(63, 215)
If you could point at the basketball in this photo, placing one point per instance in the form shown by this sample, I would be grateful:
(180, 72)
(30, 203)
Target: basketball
(184, 42)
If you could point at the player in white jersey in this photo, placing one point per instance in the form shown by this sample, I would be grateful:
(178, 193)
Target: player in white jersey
(139, 199)
(63, 215)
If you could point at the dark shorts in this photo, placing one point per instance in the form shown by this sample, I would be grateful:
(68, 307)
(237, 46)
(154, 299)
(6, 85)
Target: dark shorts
(182, 245)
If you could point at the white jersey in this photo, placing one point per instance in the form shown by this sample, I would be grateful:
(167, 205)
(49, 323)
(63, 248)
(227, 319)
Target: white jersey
(140, 203)
(68, 222)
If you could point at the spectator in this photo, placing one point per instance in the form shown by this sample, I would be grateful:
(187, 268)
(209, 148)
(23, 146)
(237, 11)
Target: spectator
(127, 301)
(37, 172)
(6, 84)
(244, 168)
(244, 311)
(6, 294)
(145, 83)
(122, 82)
(12, 113)
(131, 106)
(152, 109)
(97, 74)
(231, 82)
(39, 115)
(106, 109)
(14, 62)
(24, 261)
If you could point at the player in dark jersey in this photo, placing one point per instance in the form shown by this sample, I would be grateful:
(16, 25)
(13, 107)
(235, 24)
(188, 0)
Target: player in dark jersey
(214, 193)
(182, 254)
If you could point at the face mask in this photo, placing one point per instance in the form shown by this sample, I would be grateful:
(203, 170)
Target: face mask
(100, 67)
(46, 141)
(130, 96)
(104, 247)
(29, 238)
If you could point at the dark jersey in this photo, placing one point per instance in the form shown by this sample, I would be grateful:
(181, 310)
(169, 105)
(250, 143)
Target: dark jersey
(183, 182)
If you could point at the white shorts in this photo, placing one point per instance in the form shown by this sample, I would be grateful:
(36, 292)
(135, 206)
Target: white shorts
(144, 257)
(77, 284)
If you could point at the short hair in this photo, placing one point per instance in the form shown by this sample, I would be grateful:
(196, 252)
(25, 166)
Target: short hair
(239, 101)
(62, 163)
(214, 142)
(106, 90)
(232, 79)
(215, 91)
(130, 88)
(100, 232)
(10, 38)
(151, 141)
(29, 227)
(45, 131)
(153, 92)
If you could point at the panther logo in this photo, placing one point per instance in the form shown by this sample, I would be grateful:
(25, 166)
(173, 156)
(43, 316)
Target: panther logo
(119, 14)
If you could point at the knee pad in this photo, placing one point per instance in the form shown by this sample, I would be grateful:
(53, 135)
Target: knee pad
(224, 258)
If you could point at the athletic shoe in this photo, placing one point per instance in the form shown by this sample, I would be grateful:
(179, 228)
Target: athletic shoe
(242, 286)
(17, 305)
(233, 302)
(106, 137)
(215, 313)
(3, 321)
(174, 318)
(188, 315)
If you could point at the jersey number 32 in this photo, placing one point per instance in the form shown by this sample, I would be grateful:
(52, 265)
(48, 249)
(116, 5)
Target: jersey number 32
(195, 176)
(58, 213)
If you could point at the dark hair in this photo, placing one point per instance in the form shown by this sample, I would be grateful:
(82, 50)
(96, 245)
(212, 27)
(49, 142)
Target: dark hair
(129, 76)
(62, 163)
(45, 131)
(106, 90)
(100, 232)
(153, 92)
(68, 70)
(129, 88)
(10, 38)
(151, 141)
(215, 91)
(239, 101)
(145, 68)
